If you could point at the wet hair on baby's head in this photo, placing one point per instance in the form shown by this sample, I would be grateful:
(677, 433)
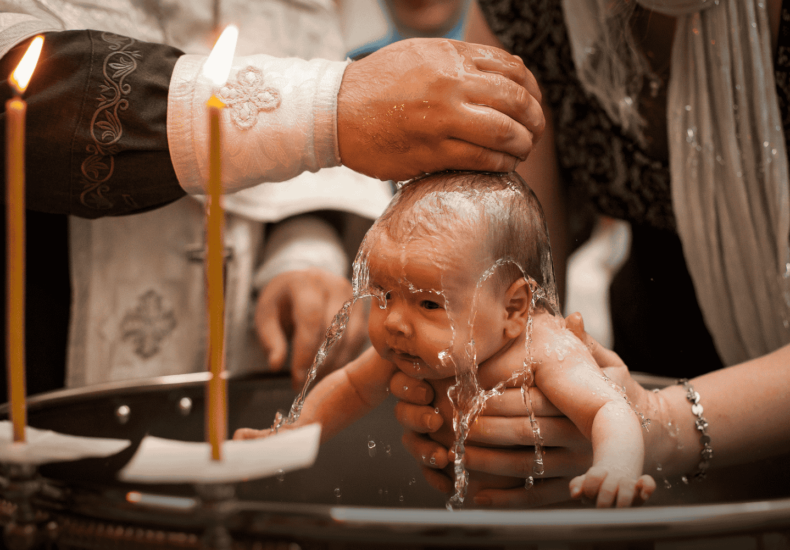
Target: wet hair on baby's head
(496, 210)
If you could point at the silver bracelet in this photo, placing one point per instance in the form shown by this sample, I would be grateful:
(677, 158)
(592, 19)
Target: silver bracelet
(702, 426)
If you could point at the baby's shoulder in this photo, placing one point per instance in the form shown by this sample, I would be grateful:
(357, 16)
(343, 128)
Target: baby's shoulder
(554, 344)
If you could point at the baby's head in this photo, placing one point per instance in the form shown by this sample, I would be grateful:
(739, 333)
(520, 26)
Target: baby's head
(447, 255)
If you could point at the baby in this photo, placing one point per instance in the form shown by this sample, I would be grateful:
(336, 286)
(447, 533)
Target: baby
(446, 265)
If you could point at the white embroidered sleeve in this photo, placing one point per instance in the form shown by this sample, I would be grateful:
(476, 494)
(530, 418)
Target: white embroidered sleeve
(280, 120)
(300, 243)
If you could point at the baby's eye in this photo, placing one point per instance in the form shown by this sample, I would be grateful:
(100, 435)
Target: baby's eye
(428, 304)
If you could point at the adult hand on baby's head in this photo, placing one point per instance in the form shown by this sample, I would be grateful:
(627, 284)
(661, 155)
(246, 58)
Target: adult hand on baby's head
(426, 105)
(298, 306)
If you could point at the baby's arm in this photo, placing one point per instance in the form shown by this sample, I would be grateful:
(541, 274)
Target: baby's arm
(341, 398)
(572, 381)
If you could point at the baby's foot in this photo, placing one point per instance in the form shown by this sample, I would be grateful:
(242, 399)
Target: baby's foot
(612, 488)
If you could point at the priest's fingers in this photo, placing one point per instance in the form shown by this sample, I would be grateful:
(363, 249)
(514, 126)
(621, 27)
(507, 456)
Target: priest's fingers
(404, 110)
(272, 322)
(557, 462)
(544, 492)
(503, 430)
(427, 452)
(309, 329)
(511, 403)
(496, 60)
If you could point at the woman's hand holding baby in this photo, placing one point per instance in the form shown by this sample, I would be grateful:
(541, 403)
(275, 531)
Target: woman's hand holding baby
(567, 453)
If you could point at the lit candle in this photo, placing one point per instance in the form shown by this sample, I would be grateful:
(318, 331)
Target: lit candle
(216, 69)
(15, 109)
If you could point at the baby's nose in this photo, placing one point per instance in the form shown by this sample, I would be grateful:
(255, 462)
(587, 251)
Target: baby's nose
(396, 322)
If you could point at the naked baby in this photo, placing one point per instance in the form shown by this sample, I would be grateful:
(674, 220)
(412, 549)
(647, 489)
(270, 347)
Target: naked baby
(459, 267)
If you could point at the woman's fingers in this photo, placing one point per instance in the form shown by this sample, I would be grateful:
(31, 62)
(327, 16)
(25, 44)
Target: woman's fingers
(427, 452)
(438, 480)
(544, 492)
(411, 390)
(501, 430)
(420, 418)
(557, 462)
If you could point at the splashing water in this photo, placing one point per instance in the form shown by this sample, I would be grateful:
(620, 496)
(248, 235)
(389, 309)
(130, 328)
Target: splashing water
(466, 395)
(468, 398)
(333, 334)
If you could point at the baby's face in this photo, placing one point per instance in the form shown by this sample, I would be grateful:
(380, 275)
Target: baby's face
(426, 289)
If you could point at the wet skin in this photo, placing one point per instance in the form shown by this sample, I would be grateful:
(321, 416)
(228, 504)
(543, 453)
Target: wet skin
(428, 297)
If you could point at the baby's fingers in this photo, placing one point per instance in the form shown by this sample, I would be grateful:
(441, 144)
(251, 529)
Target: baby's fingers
(249, 433)
(590, 484)
(644, 488)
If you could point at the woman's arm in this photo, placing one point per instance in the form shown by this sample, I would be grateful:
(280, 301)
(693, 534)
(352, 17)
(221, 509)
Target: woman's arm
(747, 407)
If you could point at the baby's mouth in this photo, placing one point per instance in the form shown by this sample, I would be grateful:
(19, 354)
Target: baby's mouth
(406, 356)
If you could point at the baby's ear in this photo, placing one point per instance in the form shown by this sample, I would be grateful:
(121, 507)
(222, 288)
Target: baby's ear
(517, 300)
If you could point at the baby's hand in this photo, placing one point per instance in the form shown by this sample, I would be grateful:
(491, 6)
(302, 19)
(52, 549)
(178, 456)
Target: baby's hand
(612, 488)
(251, 433)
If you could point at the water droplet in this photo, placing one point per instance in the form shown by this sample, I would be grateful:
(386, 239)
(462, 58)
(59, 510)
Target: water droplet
(667, 484)
(412, 481)
(400, 498)
(433, 461)
(280, 476)
(388, 450)
(766, 144)
(436, 409)
(372, 448)
(338, 493)
(659, 467)
(529, 482)
(405, 388)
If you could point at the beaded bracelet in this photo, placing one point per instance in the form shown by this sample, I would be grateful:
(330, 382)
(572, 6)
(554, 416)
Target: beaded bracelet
(702, 426)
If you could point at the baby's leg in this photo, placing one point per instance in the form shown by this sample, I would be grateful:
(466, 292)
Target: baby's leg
(612, 488)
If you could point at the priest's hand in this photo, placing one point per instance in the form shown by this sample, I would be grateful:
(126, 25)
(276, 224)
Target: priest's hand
(426, 105)
(296, 307)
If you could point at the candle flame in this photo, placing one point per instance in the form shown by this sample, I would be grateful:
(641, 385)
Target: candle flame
(217, 66)
(21, 76)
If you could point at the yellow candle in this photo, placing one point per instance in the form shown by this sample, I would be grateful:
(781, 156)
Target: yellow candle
(15, 263)
(217, 404)
(216, 69)
(15, 109)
